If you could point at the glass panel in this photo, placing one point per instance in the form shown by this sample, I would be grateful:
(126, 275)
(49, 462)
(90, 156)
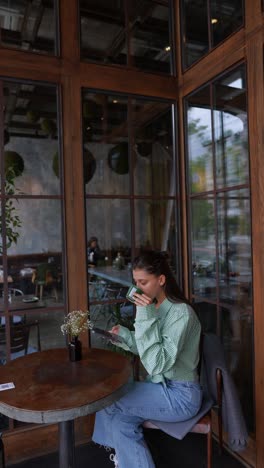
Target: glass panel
(35, 259)
(106, 150)
(238, 340)
(199, 141)
(221, 238)
(32, 332)
(226, 17)
(234, 234)
(155, 227)
(154, 169)
(231, 131)
(113, 236)
(150, 42)
(195, 42)
(29, 25)
(203, 252)
(103, 36)
(31, 140)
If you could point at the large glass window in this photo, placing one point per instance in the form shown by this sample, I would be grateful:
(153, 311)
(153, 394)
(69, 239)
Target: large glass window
(32, 279)
(220, 222)
(205, 24)
(131, 188)
(32, 273)
(29, 26)
(127, 32)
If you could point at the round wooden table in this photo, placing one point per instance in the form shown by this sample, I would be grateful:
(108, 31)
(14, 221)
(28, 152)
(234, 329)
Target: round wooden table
(49, 388)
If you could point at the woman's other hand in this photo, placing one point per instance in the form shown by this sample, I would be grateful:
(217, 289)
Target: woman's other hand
(115, 329)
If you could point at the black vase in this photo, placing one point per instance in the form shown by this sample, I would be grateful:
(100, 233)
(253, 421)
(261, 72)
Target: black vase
(75, 349)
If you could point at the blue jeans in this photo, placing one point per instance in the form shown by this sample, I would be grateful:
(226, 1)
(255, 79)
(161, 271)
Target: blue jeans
(120, 425)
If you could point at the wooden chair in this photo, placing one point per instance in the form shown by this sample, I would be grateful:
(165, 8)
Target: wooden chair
(15, 292)
(19, 340)
(202, 422)
(46, 275)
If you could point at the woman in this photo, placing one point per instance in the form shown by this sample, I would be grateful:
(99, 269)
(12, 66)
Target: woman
(93, 251)
(166, 338)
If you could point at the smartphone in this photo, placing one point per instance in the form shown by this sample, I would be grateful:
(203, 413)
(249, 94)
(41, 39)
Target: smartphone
(132, 290)
(107, 335)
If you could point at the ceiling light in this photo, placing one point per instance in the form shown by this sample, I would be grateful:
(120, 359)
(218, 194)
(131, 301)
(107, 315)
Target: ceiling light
(115, 101)
(167, 48)
(214, 20)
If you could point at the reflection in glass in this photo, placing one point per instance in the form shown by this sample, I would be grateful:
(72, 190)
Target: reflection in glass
(113, 236)
(203, 253)
(34, 262)
(103, 35)
(150, 42)
(138, 37)
(231, 131)
(128, 168)
(226, 17)
(154, 169)
(106, 152)
(31, 138)
(234, 234)
(194, 30)
(155, 227)
(237, 333)
(29, 25)
(220, 230)
(199, 134)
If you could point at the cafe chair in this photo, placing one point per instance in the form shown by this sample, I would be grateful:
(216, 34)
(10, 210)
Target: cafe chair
(19, 340)
(12, 292)
(220, 395)
(15, 292)
(46, 275)
(202, 422)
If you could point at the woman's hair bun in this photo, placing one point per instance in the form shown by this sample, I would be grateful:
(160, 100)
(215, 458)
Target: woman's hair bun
(162, 254)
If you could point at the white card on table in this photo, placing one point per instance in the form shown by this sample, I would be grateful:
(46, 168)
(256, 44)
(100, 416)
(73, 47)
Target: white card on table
(6, 386)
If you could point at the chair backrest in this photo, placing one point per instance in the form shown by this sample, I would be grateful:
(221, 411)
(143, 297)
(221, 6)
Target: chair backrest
(19, 336)
(46, 273)
(15, 292)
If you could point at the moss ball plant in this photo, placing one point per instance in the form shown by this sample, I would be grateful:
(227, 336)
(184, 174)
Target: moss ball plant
(14, 163)
(89, 165)
(118, 159)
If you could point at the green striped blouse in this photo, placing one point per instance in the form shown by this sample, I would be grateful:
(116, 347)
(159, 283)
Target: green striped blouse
(166, 339)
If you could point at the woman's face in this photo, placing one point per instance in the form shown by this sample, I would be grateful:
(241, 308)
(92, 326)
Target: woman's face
(150, 284)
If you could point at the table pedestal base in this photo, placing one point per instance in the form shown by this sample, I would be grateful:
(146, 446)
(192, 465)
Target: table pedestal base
(66, 444)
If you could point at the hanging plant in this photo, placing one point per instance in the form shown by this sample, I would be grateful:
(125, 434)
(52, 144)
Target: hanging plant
(118, 159)
(14, 164)
(49, 127)
(144, 149)
(89, 165)
(32, 116)
(12, 220)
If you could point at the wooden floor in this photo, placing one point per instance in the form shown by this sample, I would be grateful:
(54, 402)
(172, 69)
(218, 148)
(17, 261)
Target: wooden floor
(167, 453)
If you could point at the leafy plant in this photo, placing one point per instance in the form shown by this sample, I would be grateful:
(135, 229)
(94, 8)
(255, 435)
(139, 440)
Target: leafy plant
(12, 220)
